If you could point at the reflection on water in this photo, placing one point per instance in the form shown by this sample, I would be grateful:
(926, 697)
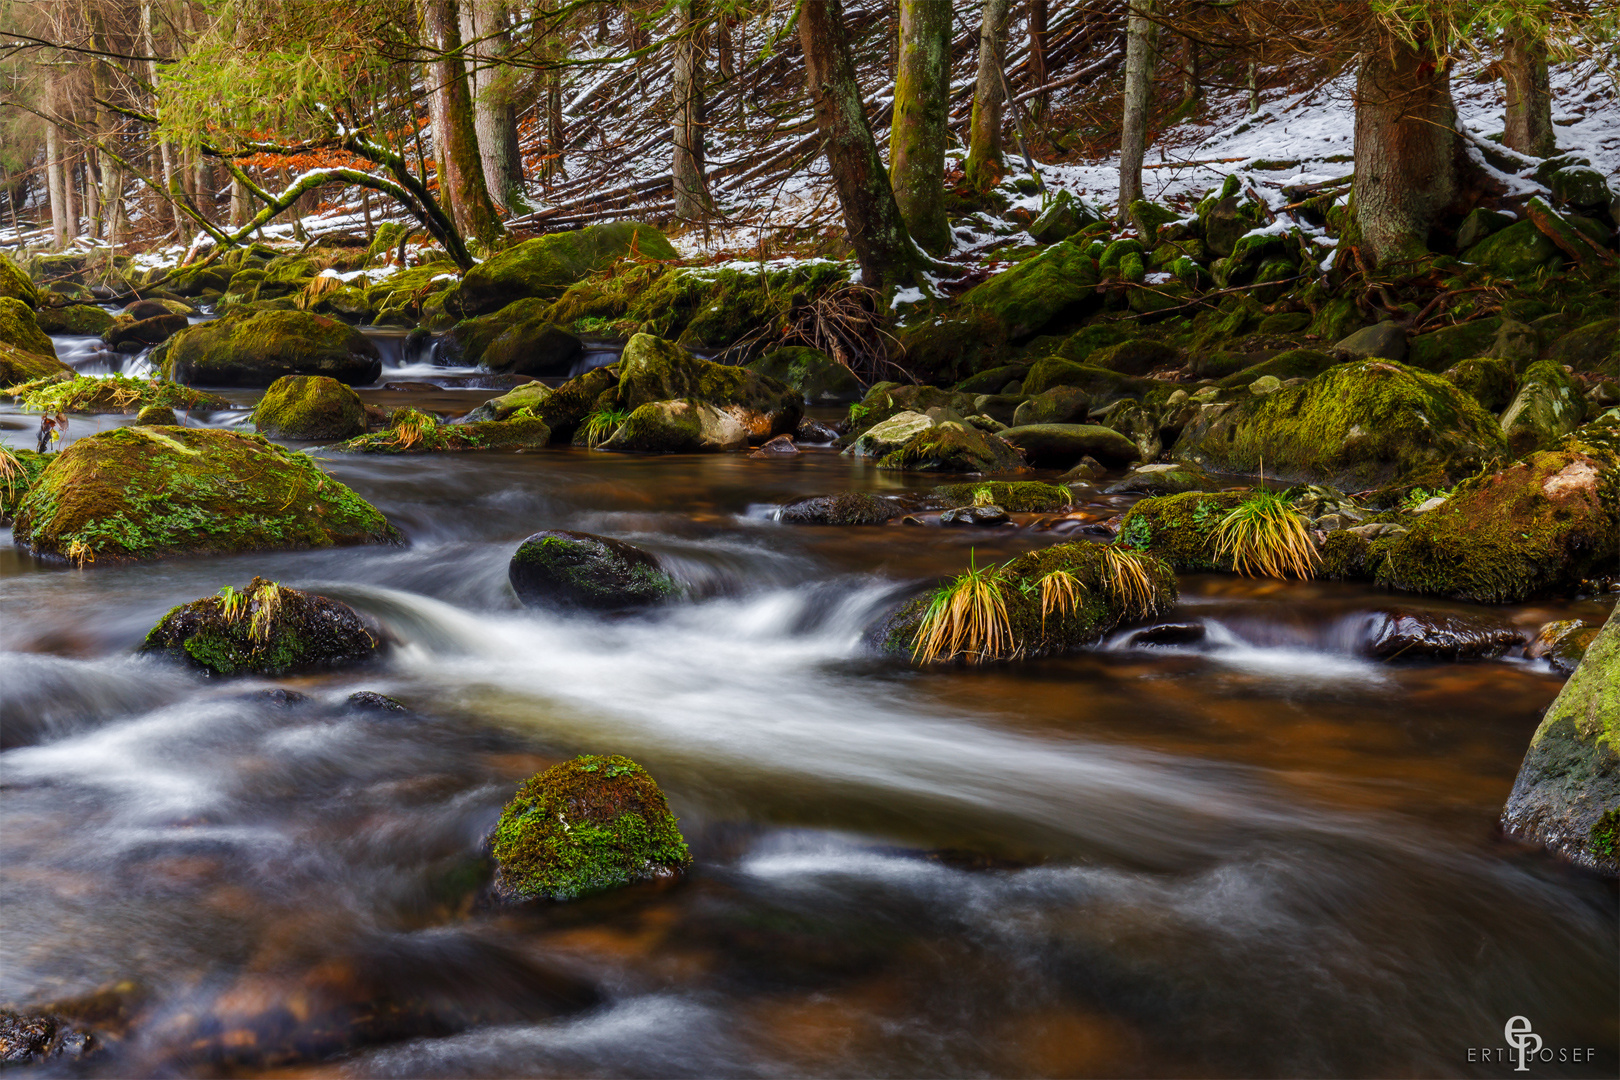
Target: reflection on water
(1244, 847)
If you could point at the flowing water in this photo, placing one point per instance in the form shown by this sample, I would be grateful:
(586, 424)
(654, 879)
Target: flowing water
(1261, 851)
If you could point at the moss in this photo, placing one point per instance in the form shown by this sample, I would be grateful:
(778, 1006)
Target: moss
(81, 319)
(951, 447)
(1345, 557)
(595, 823)
(1439, 349)
(886, 400)
(413, 432)
(566, 408)
(1293, 364)
(263, 630)
(1018, 496)
(1180, 529)
(652, 370)
(110, 394)
(1137, 356)
(138, 493)
(19, 328)
(255, 348)
(20, 366)
(15, 285)
(676, 427)
(1488, 381)
(1356, 426)
(14, 483)
(817, 377)
(547, 265)
(1547, 407)
(468, 339)
(1100, 384)
(310, 407)
(573, 569)
(1098, 608)
(1603, 839)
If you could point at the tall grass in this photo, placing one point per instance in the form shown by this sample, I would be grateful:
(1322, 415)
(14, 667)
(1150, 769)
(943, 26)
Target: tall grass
(1264, 536)
(1125, 576)
(601, 424)
(966, 618)
(1060, 592)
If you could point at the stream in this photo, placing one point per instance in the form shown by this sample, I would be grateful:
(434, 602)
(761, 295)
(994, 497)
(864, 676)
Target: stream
(1260, 851)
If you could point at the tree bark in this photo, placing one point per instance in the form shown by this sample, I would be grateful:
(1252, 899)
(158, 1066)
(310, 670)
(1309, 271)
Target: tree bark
(687, 168)
(1406, 147)
(1036, 71)
(1192, 70)
(1139, 62)
(92, 195)
(985, 167)
(494, 111)
(167, 161)
(461, 176)
(919, 131)
(1529, 97)
(53, 179)
(876, 229)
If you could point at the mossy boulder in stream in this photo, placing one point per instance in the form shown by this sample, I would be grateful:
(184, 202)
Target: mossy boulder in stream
(139, 493)
(19, 366)
(265, 629)
(545, 266)
(16, 285)
(677, 427)
(310, 407)
(595, 823)
(84, 320)
(1015, 496)
(16, 478)
(951, 447)
(19, 328)
(1180, 529)
(1365, 424)
(1567, 795)
(653, 370)
(255, 348)
(558, 568)
(111, 394)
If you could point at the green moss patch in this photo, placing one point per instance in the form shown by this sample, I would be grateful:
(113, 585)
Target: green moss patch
(411, 431)
(109, 394)
(310, 407)
(1180, 529)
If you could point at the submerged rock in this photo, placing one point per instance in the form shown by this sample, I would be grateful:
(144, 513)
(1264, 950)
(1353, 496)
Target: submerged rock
(558, 568)
(310, 407)
(32, 1039)
(255, 348)
(844, 508)
(1567, 795)
(595, 823)
(265, 629)
(1430, 635)
(987, 514)
(153, 492)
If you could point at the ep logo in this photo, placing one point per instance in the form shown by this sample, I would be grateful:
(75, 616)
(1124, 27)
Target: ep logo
(1521, 1038)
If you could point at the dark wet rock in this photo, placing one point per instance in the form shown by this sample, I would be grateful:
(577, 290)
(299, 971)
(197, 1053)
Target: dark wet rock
(34, 1039)
(1567, 794)
(814, 432)
(1562, 644)
(143, 332)
(1164, 478)
(558, 568)
(1018, 496)
(817, 377)
(533, 347)
(369, 701)
(1164, 634)
(975, 515)
(137, 493)
(584, 826)
(844, 508)
(265, 629)
(278, 698)
(156, 416)
(1479, 224)
(310, 407)
(953, 448)
(1085, 471)
(1059, 405)
(1137, 356)
(1433, 635)
(1062, 445)
(255, 348)
(991, 380)
(779, 447)
(1384, 341)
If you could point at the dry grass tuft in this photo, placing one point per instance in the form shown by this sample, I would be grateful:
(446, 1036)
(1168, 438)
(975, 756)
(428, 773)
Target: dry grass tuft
(966, 618)
(1266, 537)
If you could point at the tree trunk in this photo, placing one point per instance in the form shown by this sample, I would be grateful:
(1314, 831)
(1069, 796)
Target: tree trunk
(556, 131)
(1037, 57)
(1529, 97)
(70, 194)
(687, 168)
(919, 131)
(984, 164)
(1139, 63)
(494, 111)
(872, 217)
(1406, 148)
(461, 177)
(92, 196)
(1192, 71)
(1254, 87)
(53, 175)
(165, 203)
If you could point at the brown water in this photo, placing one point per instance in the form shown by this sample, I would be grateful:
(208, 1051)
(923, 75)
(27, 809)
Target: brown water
(1261, 854)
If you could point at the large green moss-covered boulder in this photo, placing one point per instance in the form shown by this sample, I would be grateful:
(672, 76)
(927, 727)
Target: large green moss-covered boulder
(1059, 446)
(1366, 424)
(818, 378)
(265, 629)
(1547, 407)
(530, 397)
(652, 369)
(1015, 496)
(1100, 596)
(1567, 795)
(566, 409)
(533, 347)
(19, 328)
(1538, 528)
(113, 394)
(1180, 529)
(20, 366)
(80, 319)
(1517, 251)
(595, 823)
(1593, 347)
(15, 284)
(547, 265)
(137, 493)
(953, 448)
(1101, 385)
(255, 348)
(310, 407)
(467, 340)
(558, 568)
(677, 427)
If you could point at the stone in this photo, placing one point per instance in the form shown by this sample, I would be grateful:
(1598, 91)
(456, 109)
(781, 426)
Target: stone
(1063, 216)
(845, 508)
(1517, 251)
(814, 432)
(1384, 340)
(1265, 384)
(1062, 445)
(1432, 635)
(530, 396)
(547, 265)
(817, 377)
(975, 515)
(890, 435)
(312, 407)
(19, 329)
(1163, 478)
(1581, 187)
(79, 320)
(1515, 343)
(1567, 794)
(156, 416)
(557, 568)
(1059, 405)
(779, 447)
(411, 431)
(1479, 224)
(534, 347)
(677, 427)
(953, 447)
(369, 701)
(654, 370)
(15, 284)
(1547, 407)
(1562, 644)
(255, 348)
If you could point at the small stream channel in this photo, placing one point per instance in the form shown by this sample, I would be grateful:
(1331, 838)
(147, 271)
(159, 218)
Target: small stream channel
(1259, 851)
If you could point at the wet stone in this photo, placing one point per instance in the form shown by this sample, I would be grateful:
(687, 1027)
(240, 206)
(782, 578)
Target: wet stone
(1439, 636)
(369, 701)
(974, 515)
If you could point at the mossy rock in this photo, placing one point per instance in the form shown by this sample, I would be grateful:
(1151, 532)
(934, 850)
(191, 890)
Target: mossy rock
(1060, 446)
(18, 328)
(534, 347)
(1567, 794)
(1057, 284)
(140, 333)
(1547, 407)
(266, 629)
(1101, 385)
(157, 416)
(1293, 364)
(15, 284)
(1135, 357)
(1366, 424)
(83, 320)
(1059, 405)
(309, 407)
(654, 370)
(139, 493)
(843, 508)
(818, 378)
(255, 348)
(595, 823)
(1014, 496)
(14, 487)
(1594, 347)
(467, 341)
(955, 448)
(1285, 323)
(19, 366)
(1517, 251)
(1485, 379)
(677, 427)
(111, 394)
(547, 265)
(406, 291)
(557, 568)
(1539, 528)
(992, 380)
(411, 431)
(529, 396)
(1180, 529)
(1164, 478)
(1336, 319)
(1440, 349)
(1099, 606)
(884, 401)
(566, 408)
